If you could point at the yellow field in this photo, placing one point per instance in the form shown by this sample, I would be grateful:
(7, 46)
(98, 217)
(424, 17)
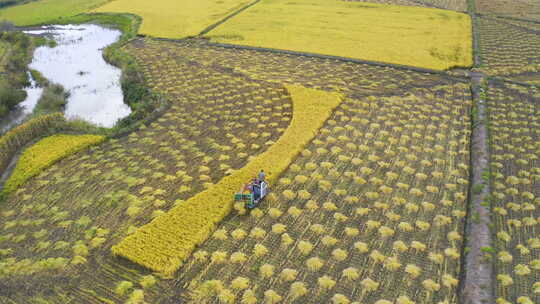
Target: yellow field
(423, 37)
(45, 153)
(174, 18)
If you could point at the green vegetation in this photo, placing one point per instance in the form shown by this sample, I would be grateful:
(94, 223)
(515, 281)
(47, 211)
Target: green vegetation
(46, 11)
(16, 51)
(10, 96)
(15, 54)
(6, 3)
(4, 53)
(53, 99)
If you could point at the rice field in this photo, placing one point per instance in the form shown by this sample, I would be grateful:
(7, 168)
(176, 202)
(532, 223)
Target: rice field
(357, 213)
(369, 164)
(509, 48)
(455, 5)
(126, 182)
(524, 9)
(175, 19)
(4, 50)
(63, 250)
(515, 167)
(423, 37)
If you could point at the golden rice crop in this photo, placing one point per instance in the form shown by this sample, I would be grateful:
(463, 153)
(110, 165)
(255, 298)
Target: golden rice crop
(174, 19)
(424, 37)
(16, 138)
(46, 152)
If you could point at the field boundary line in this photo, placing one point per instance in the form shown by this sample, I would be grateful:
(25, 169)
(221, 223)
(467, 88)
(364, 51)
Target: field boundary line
(506, 22)
(445, 73)
(507, 17)
(507, 80)
(339, 58)
(477, 53)
(477, 284)
(228, 17)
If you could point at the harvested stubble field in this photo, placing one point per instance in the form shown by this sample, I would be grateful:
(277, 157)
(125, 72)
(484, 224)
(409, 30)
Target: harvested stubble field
(527, 9)
(354, 215)
(165, 243)
(373, 208)
(510, 48)
(455, 5)
(317, 73)
(415, 36)
(158, 155)
(514, 117)
(60, 226)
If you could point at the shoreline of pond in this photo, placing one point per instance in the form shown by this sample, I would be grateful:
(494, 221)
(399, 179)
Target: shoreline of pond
(93, 84)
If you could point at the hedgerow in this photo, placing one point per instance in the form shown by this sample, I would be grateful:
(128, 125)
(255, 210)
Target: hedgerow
(163, 244)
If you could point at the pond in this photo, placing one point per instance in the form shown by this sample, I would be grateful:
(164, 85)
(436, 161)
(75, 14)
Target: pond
(77, 64)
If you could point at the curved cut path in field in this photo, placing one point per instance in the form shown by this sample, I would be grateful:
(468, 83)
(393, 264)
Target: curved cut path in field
(164, 244)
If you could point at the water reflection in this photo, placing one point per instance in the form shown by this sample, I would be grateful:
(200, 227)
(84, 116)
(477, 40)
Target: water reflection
(77, 64)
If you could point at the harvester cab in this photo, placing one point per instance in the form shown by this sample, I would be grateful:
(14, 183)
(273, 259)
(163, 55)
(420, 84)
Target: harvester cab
(252, 193)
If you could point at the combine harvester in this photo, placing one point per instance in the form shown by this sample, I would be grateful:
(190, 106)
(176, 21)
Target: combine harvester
(252, 193)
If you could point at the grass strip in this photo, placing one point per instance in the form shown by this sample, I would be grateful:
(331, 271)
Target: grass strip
(163, 244)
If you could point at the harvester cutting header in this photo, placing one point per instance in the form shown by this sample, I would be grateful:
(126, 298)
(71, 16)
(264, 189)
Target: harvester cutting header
(253, 192)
